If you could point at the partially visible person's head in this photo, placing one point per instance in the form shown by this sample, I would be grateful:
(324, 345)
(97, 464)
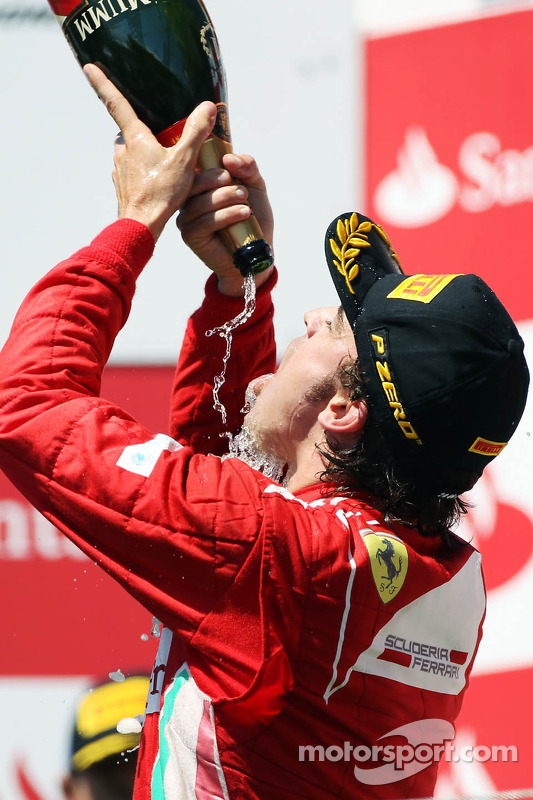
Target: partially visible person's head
(102, 760)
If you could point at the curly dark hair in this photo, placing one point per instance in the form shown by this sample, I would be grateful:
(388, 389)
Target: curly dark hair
(430, 502)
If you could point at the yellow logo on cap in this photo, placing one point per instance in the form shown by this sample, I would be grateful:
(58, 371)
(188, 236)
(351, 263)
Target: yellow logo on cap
(352, 237)
(484, 447)
(389, 560)
(422, 288)
(390, 389)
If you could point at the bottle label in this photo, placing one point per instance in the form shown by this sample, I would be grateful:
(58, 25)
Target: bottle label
(87, 17)
(221, 128)
(211, 48)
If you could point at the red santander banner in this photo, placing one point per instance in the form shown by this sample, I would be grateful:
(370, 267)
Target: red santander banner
(449, 175)
(449, 149)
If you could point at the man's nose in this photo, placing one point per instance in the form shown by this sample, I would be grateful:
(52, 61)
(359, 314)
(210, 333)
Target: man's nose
(318, 317)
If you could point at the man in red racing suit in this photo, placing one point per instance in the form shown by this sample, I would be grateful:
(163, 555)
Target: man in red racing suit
(303, 634)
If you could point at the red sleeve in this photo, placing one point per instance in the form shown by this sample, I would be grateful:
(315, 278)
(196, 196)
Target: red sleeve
(194, 420)
(172, 527)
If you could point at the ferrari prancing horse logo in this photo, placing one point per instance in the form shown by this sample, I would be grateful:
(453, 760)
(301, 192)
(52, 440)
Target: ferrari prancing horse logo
(389, 561)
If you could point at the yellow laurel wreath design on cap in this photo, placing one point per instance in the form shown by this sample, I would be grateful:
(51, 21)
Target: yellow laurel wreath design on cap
(353, 238)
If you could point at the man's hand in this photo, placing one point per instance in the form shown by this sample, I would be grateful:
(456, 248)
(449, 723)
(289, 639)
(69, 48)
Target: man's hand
(151, 181)
(215, 202)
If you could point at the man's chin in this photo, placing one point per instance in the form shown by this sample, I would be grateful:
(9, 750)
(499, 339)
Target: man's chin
(253, 391)
(258, 384)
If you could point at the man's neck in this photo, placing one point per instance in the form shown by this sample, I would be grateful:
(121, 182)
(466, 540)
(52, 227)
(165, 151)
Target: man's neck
(307, 468)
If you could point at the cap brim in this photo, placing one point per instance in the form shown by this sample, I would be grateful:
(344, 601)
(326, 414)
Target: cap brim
(358, 253)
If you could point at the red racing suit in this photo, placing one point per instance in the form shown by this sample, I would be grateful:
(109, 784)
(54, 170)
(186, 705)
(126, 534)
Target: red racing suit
(304, 639)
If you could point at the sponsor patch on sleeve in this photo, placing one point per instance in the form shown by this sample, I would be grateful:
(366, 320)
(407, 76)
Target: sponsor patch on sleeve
(142, 458)
(421, 288)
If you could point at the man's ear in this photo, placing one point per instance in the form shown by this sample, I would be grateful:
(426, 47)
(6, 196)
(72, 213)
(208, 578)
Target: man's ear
(67, 785)
(76, 787)
(344, 418)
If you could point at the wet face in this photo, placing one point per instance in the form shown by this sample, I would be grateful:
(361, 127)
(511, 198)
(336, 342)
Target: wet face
(288, 403)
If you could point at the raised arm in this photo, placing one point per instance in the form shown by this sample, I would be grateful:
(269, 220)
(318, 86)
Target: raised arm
(98, 475)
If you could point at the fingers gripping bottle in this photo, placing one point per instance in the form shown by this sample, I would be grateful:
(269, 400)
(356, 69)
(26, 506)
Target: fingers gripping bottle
(163, 55)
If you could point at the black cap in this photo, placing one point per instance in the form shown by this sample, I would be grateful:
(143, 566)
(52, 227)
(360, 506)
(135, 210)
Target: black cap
(443, 361)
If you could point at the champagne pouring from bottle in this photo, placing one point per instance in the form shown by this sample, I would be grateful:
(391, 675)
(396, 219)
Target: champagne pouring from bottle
(164, 57)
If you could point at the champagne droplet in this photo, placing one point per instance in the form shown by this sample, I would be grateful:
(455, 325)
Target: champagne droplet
(129, 725)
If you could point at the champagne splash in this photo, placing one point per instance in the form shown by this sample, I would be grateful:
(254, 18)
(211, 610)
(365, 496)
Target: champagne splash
(226, 332)
(244, 447)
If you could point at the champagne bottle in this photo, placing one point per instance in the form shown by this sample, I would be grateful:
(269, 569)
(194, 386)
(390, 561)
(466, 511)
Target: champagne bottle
(164, 57)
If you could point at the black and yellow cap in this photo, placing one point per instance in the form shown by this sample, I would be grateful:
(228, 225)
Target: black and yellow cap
(443, 362)
(99, 711)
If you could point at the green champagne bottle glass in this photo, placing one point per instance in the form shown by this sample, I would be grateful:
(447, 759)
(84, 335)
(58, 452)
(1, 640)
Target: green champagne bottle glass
(164, 57)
